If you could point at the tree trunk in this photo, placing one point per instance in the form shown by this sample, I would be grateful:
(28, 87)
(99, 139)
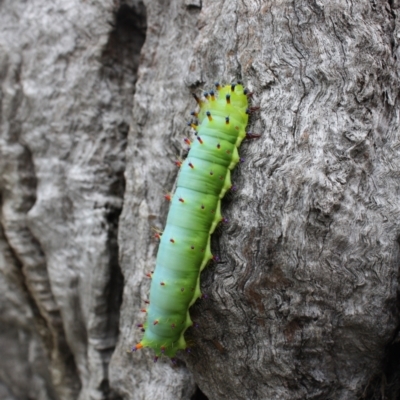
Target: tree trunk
(304, 302)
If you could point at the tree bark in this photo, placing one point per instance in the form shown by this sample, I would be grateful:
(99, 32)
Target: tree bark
(68, 73)
(304, 303)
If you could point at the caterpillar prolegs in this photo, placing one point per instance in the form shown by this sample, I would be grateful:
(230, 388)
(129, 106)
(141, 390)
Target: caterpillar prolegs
(195, 211)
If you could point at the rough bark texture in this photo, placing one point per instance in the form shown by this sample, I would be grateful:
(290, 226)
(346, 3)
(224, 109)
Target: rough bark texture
(67, 70)
(304, 304)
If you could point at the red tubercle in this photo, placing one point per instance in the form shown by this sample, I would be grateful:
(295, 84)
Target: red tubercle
(199, 139)
(155, 322)
(181, 200)
(149, 275)
(251, 110)
(146, 301)
(172, 240)
(178, 163)
(162, 283)
(137, 347)
(143, 310)
(191, 165)
(139, 325)
(155, 359)
(168, 196)
(187, 141)
(157, 234)
(251, 135)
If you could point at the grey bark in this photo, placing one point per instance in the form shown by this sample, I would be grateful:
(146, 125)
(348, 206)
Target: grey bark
(305, 302)
(68, 70)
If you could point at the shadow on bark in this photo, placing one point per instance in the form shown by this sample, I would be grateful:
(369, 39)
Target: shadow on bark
(199, 395)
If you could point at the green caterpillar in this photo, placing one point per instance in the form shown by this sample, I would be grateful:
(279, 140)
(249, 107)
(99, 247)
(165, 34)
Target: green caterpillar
(195, 212)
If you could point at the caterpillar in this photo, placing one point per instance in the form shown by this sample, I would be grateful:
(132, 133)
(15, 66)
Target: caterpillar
(195, 211)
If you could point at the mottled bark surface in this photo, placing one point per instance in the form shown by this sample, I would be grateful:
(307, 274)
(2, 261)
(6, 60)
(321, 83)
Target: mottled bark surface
(304, 304)
(67, 71)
